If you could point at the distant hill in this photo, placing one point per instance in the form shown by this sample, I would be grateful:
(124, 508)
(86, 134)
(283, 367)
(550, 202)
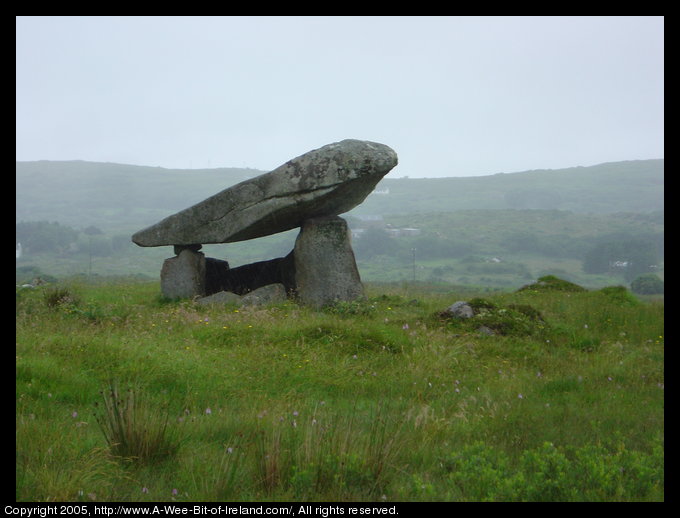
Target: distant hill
(128, 197)
(109, 195)
(630, 186)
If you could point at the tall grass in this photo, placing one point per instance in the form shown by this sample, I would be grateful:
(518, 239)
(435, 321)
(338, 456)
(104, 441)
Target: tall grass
(379, 400)
(133, 430)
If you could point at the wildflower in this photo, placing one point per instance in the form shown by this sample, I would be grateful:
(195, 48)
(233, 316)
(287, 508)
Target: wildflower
(208, 411)
(404, 327)
(74, 415)
(354, 356)
(145, 489)
(520, 396)
(174, 492)
(230, 450)
(296, 413)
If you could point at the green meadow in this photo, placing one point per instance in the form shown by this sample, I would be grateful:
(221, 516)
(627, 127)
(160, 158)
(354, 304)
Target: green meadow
(551, 393)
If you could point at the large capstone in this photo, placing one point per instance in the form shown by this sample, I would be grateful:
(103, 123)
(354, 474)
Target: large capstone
(327, 181)
(325, 267)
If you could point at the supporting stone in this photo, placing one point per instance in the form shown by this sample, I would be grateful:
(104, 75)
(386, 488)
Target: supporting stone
(183, 276)
(325, 267)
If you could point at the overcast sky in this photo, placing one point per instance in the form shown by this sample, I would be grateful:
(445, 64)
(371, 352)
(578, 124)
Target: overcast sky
(453, 96)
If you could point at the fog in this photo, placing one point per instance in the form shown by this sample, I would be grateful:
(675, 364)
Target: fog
(454, 96)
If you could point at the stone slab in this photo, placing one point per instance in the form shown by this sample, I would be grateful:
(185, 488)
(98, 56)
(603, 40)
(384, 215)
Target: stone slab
(327, 181)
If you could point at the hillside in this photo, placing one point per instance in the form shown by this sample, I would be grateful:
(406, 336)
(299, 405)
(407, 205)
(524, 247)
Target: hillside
(631, 186)
(122, 198)
(113, 196)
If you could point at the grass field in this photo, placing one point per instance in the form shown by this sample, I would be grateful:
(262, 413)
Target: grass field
(124, 396)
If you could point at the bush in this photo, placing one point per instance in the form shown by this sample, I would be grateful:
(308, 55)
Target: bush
(647, 284)
(551, 473)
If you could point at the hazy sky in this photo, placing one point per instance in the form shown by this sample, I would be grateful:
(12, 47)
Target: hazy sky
(453, 96)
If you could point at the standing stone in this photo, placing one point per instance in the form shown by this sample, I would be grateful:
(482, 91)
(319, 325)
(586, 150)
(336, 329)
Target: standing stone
(183, 276)
(325, 267)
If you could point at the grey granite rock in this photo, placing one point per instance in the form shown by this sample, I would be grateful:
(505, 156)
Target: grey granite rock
(327, 181)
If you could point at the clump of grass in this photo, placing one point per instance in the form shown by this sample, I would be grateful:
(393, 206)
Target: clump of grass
(57, 296)
(133, 429)
(329, 456)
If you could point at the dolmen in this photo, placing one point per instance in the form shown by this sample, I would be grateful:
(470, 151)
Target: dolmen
(308, 192)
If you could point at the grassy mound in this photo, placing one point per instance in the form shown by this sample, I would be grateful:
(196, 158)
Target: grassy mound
(493, 318)
(552, 283)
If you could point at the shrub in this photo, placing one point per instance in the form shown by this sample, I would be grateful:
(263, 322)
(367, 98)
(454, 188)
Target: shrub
(551, 473)
(647, 284)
